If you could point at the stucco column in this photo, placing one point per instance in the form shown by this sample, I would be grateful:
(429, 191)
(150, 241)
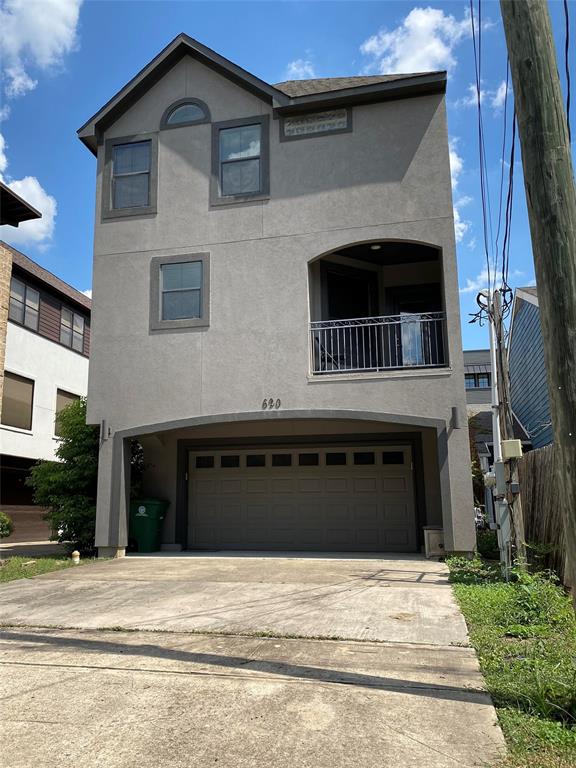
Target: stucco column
(456, 489)
(113, 497)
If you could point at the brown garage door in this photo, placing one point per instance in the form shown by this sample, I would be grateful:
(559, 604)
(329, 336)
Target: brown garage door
(357, 499)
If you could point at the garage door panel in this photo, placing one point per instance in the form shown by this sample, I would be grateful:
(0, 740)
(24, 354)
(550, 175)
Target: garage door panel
(350, 507)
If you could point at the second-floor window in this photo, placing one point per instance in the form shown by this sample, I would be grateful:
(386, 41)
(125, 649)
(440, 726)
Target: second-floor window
(240, 160)
(24, 304)
(131, 175)
(63, 400)
(17, 401)
(72, 328)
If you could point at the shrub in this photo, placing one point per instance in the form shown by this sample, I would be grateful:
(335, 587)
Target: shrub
(472, 571)
(6, 525)
(487, 543)
(68, 487)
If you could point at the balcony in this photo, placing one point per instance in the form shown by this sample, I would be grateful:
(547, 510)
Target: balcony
(374, 344)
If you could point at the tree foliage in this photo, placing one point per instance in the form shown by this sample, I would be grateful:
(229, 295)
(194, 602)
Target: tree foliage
(67, 487)
(6, 525)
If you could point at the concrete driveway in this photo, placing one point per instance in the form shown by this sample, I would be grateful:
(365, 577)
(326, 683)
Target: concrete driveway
(239, 670)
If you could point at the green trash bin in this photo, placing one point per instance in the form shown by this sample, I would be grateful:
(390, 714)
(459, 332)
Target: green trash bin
(146, 516)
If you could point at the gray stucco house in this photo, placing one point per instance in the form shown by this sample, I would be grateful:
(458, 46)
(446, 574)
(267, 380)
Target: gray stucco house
(275, 313)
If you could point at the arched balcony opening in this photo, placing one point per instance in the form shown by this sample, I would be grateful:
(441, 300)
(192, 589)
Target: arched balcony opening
(377, 306)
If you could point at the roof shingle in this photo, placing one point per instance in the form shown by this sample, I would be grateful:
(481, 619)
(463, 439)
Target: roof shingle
(295, 88)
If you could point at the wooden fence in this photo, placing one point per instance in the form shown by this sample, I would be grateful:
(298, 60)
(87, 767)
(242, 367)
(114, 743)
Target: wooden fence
(543, 527)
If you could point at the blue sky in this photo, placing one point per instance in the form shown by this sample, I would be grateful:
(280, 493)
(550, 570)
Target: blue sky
(63, 59)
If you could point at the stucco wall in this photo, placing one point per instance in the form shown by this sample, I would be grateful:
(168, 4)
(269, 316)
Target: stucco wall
(51, 367)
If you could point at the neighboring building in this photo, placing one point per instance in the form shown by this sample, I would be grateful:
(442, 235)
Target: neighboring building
(276, 314)
(13, 211)
(528, 380)
(47, 343)
(478, 380)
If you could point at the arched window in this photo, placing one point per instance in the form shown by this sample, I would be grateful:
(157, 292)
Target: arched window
(185, 112)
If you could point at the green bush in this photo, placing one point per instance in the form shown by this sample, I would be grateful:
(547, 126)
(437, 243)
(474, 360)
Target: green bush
(67, 487)
(487, 543)
(6, 525)
(464, 570)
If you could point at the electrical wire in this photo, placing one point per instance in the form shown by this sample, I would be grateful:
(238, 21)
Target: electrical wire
(503, 154)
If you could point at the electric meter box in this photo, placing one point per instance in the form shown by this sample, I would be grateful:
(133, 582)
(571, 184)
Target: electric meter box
(511, 449)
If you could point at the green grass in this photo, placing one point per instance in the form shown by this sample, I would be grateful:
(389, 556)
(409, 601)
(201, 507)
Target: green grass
(524, 632)
(27, 567)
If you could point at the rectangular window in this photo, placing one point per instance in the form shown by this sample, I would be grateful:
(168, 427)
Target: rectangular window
(308, 459)
(393, 457)
(131, 175)
(179, 292)
(24, 304)
(63, 399)
(281, 460)
(256, 460)
(17, 401)
(335, 459)
(240, 160)
(204, 462)
(240, 151)
(470, 381)
(483, 381)
(181, 288)
(229, 462)
(72, 329)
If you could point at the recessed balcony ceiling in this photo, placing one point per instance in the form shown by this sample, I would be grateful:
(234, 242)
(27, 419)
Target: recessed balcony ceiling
(391, 253)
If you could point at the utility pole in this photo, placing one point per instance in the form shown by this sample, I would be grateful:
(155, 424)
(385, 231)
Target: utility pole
(551, 200)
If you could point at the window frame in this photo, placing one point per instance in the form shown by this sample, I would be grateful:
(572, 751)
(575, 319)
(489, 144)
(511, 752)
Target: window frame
(73, 395)
(186, 323)
(216, 198)
(108, 211)
(27, 379)
(64, 308)
(27, 288)
(165, 125)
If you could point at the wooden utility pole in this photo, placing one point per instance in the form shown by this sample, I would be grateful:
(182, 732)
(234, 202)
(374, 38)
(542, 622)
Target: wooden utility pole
(507, 427)
(551, 199)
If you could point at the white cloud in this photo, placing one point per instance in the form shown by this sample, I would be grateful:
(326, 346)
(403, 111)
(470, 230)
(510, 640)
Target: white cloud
(456, 163)
(499, 96)
(36, 231)
(461, 226)
(424, 41)
(476, 284)
(4, 112)
(300, 69)
(3, 158)
(88, 292)
(471, 98)
(35, 34)
(495, 98)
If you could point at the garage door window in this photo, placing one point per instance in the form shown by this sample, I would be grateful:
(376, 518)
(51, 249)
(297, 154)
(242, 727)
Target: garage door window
(393, 457)
(364, 457)
(204, 462)
(308, 459)
(229, 462)
(256, 460)
(281, 460)
(335, 459)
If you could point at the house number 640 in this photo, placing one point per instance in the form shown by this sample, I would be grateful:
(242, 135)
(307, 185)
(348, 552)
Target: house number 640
(269, 403)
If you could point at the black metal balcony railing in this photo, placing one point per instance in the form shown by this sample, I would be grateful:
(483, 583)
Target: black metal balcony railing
(378, 343)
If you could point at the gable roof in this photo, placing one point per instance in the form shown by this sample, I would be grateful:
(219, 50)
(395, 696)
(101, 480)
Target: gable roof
(42, 275)
(290, 96)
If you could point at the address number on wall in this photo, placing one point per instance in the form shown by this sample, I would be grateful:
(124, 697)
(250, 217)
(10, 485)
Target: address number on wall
(269, 404)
